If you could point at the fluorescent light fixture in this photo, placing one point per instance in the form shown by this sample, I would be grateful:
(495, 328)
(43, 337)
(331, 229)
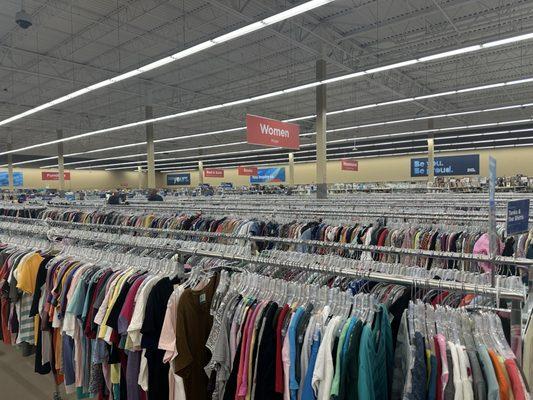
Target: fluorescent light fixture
(451, 53)
(347, 128)
(446, 54)
(302, 8)
(180, 161)
(510, 40)
(292, 12)
(351, 109)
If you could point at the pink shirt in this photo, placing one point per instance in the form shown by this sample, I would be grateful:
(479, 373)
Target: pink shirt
(129, 305)
(243, 364)
(440, 341)
(482, 247)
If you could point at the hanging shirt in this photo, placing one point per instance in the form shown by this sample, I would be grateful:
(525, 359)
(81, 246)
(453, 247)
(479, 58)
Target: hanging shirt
(375, 358)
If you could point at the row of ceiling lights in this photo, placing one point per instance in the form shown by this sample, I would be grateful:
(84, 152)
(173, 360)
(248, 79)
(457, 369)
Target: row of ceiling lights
(463, 50)
(243, 159)
(256, 26)
(336, 112)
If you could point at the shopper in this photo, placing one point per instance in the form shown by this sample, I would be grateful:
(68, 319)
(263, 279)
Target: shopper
(154, 196)
(114, 199)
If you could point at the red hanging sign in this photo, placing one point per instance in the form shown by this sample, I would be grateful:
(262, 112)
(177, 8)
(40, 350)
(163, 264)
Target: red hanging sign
(213, 173)
(349, 164)
(247, 171)
(54, 176)
(273, 133)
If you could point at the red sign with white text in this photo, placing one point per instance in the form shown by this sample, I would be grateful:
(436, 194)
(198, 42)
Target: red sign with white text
(247, 171)
(273, 133)
(213, 173)
(54, 176)
(349, 164)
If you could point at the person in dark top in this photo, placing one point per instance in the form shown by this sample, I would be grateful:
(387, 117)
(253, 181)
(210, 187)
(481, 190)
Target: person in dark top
(114, 199)
(153, 196)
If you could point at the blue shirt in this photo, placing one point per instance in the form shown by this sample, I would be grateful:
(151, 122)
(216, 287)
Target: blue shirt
(293, 383)
(307, 391)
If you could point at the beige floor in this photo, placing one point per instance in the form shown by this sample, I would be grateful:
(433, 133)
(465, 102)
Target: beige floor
(19, 382)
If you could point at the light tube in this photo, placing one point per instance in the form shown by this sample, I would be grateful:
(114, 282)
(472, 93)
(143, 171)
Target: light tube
(310, 5)
(347, 128)
(446, 54)
(351, 109)
(451, 53)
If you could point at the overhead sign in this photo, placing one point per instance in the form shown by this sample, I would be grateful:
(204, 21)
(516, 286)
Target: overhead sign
(17, 179)
(54, 176)
(517, 216)
(178, 179)
(247, 171)
(446, 166)
(272, 133)
(265, 175)
(213, 173)
(349, 164)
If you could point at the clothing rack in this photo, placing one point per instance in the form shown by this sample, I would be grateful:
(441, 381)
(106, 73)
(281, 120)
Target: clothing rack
(498, 292)
(306, 212)
(350, 269)
(499, 260)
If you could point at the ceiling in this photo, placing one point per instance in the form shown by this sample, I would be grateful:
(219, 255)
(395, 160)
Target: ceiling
(75, 43)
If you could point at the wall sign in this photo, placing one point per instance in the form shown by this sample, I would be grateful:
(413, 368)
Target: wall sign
(447, 166)
(178, 179)
(54, 176)
(517, 216)
(226, 185)
(265, 175)
(247, 171)
(18, 179)
(349, 164)
(213, 173)
(272, 133)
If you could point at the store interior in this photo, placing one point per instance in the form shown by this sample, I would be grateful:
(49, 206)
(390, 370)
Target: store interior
(239, 199)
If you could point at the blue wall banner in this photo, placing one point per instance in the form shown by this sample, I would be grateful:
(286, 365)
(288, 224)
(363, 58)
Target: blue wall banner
(178, 179)
(447, 166)
(18, 179)
(517, 216)
(265, 175)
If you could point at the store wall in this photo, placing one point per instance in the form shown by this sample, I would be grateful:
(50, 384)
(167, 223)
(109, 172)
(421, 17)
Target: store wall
(510, 161)
(84, 179)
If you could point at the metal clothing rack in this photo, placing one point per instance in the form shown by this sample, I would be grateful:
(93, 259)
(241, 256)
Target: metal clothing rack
(499, 260)
(309, 213)
(353, 272)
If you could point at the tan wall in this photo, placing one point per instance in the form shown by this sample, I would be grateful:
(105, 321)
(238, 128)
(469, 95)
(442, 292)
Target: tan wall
(510, 161)
(85, 179)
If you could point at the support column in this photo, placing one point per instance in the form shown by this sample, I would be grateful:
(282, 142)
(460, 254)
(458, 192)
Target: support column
(200, 172)
(60, 164)
(321, 160)
(150, 168)
(291, 169)
(140, 176)
(11, 183)
(431, 154)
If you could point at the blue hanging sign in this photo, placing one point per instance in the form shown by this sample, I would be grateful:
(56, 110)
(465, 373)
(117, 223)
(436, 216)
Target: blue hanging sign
(517, 216)
(18, 179)
(265, 175)
(178, 179)
(467, 164)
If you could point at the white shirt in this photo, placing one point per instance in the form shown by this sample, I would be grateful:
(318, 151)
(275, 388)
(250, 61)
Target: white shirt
(323, 373)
